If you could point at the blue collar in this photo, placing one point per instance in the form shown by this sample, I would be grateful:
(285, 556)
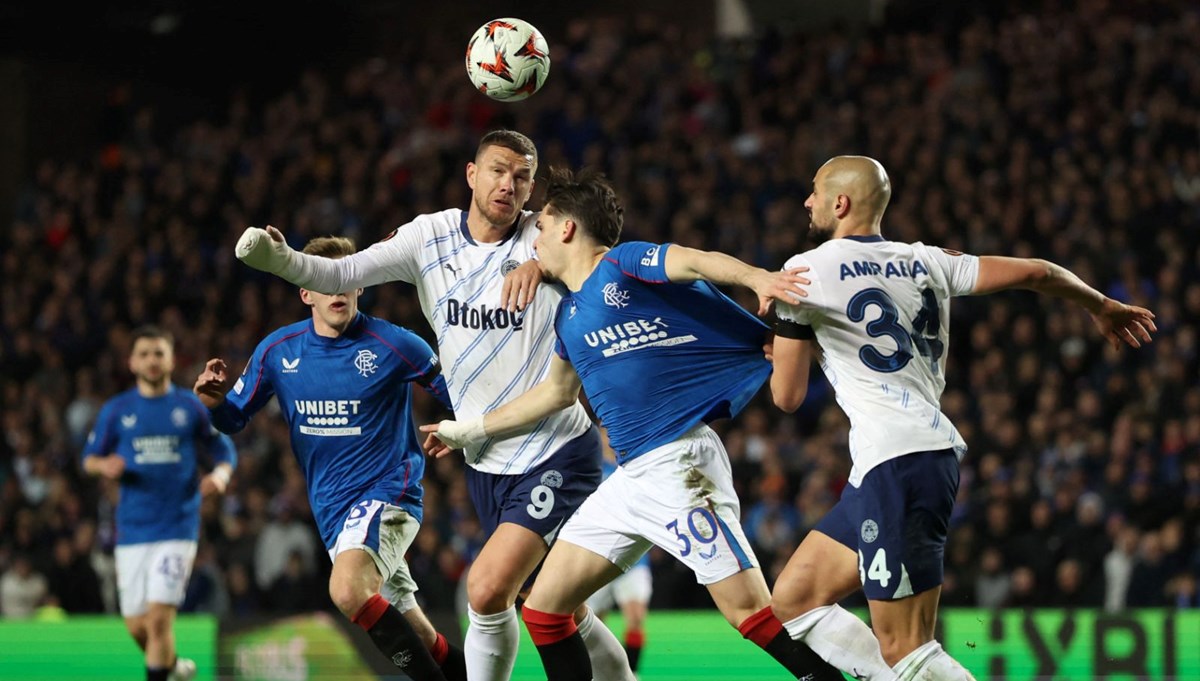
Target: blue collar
(871, 239)
(466, 232)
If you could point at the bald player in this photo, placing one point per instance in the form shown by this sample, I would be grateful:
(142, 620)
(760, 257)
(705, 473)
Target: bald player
(880, 312)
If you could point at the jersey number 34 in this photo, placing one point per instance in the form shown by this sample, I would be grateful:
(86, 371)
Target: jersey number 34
(923, 336)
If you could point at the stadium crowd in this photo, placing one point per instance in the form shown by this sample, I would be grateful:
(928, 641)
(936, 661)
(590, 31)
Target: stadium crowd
(1070, 134)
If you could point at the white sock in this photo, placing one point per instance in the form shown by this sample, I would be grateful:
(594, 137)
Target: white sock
(490, 645)
(842, 640)
(931, 663)
(609, 660)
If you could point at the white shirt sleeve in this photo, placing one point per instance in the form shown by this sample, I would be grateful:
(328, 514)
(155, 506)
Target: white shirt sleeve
(394, 258)
(804, 312)
(960, 270)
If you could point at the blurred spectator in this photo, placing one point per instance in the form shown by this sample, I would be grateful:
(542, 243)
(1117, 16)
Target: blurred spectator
(295, 589)
(72, 580)
(1024, 592)
(1150, 573)
(283, 537)
(1118, 568)
(22, 589)
(993, 584)
(244, 599)
(1181, 591)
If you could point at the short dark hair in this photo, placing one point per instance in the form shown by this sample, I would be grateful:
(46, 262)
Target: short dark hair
(589, 199)
(509, 139)
(330, 247)
(150, 331)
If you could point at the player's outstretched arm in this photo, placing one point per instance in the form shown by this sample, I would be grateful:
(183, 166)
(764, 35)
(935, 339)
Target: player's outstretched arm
(684, 264)
(1116, 321)
(557, 392)
(268, 251)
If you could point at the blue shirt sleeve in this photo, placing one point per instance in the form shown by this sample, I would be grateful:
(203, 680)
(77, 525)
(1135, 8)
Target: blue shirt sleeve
(102, 440)
(220, 446)
(641, 260)
(253, 389)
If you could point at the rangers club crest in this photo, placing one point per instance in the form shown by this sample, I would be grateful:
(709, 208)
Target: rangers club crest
(365, 362)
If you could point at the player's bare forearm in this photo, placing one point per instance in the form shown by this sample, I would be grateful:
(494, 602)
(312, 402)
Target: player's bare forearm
(1116, 321)
(557, 392)
(109, 466)
(998, 273)
(684, 264)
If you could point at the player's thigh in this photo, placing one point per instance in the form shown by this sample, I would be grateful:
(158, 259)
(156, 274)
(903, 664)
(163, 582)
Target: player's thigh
(903, 516)
(504, 563)
(379, 534)
(570, 574)
(681, 498)
(824, 568)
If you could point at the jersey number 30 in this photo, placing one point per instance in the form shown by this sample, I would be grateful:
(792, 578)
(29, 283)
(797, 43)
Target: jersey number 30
(923, 336)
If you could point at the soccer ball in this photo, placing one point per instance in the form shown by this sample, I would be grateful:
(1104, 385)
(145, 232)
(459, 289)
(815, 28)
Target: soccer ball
(507, 59)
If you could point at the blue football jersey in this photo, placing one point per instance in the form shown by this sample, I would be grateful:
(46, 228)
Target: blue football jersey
(158, 437)
(347, 403)
(657, 358)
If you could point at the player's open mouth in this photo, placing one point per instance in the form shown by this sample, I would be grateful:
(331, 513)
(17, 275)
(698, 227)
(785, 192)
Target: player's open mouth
(337, 307)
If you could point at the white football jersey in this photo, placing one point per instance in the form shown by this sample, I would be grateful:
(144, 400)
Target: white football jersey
(488, 355)
(881, 314)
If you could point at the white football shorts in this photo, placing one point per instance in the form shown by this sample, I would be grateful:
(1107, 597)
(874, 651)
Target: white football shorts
(153, 572)
(634, 586)
(678, 497)
(385, 532)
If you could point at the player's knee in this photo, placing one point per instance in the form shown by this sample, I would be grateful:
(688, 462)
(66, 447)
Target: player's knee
(157, 624)
(489, 595)
(347, 596)
(797, 596)
(137, 628)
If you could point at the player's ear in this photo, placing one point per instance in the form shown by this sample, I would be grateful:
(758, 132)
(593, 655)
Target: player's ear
(841, 206)
(471, 170)
(569, 229)
(306, 297)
